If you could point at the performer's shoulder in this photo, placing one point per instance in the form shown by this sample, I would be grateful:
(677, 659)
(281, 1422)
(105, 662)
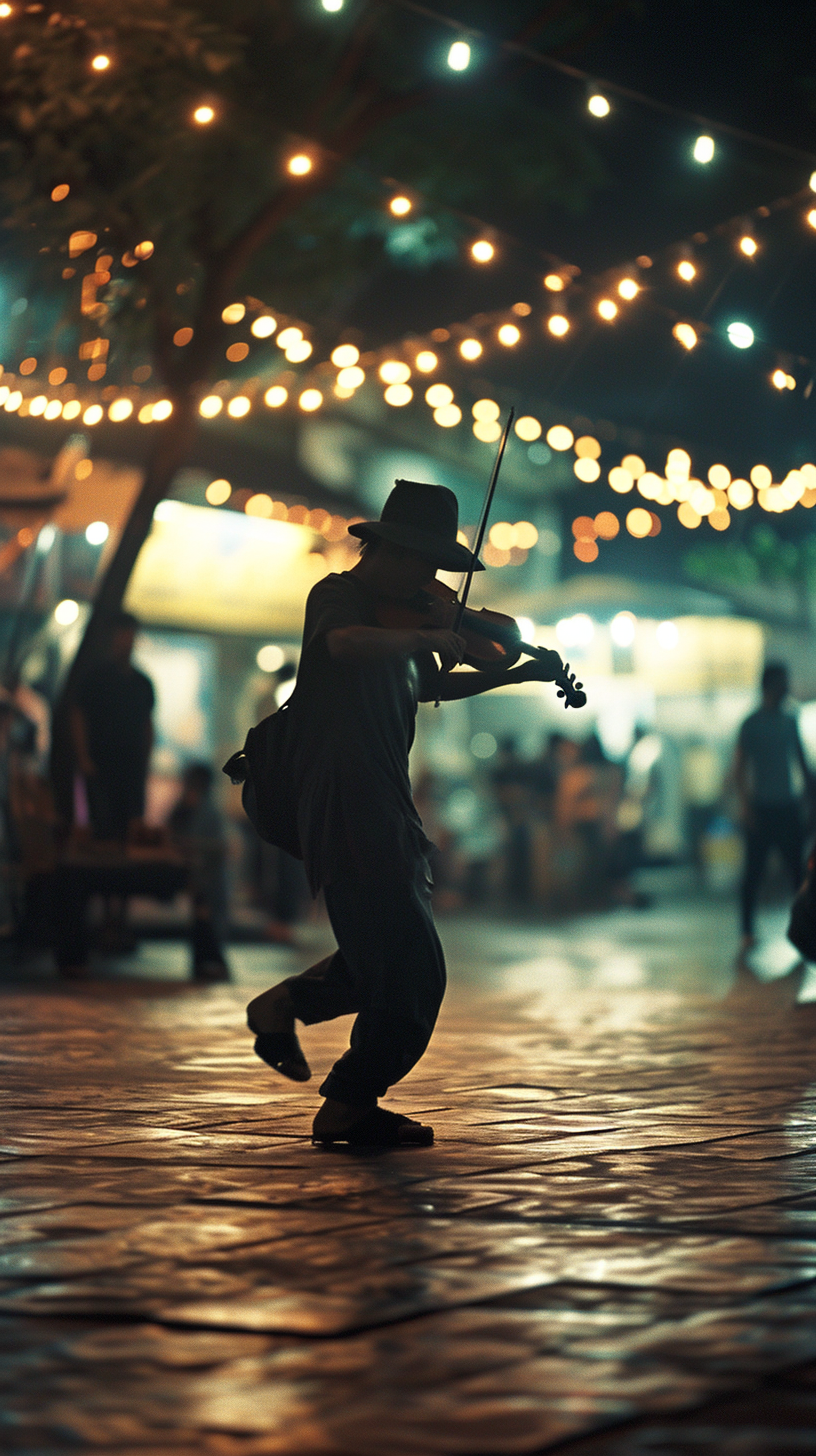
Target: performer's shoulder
(337, 586)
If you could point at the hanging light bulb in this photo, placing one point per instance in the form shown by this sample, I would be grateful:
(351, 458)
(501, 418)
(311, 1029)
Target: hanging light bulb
(598, 105)
(459, 55)
(748, 245)
(703, 149)
(482, 251)
(686, 270)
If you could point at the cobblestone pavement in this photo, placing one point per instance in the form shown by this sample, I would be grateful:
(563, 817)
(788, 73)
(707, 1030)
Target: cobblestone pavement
(611, 1249)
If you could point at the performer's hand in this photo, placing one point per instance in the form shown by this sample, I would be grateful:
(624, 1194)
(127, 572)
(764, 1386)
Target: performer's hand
(542, 669)
(449, 646)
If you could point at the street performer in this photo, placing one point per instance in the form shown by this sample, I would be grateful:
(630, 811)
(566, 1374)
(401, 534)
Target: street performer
(354, 711)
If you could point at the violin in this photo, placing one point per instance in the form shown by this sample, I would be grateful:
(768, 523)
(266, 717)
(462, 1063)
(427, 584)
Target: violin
(493, 639)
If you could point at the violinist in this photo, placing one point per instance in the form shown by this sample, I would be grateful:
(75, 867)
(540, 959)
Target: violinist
(354, 711)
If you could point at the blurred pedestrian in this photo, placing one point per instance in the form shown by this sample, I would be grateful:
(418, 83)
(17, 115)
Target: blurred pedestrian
(769, 753)
(112, 733)
(512, 786)
(197, 829)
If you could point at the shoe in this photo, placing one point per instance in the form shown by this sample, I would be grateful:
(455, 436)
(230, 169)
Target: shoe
(281, 1051)
(379, 1128)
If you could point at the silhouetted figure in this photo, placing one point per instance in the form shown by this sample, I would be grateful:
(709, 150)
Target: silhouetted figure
(112, 732)
(511, 784)
(768, 747)
(197, 830)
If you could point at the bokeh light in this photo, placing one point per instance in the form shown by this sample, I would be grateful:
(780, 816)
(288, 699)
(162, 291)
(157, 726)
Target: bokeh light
(218, 492)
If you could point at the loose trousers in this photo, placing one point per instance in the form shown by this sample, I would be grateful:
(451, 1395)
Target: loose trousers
(389, 968)
(773, 826)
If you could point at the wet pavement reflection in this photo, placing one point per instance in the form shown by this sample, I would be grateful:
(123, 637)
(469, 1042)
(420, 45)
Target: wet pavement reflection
(611, 1248)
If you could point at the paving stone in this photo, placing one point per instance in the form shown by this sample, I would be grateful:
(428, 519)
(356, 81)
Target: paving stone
(611, 1249)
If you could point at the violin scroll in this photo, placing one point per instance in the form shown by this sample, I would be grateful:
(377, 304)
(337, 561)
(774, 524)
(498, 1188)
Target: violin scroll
(571, 691)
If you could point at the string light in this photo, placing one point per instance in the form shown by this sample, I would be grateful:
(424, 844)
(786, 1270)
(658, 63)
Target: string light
(559, 437)
(100, 63)
(686, 270)
(470, 349)
(58, 194)
(400, 206)
(703, 149)
(332, 6)
(639, 522)
(426, 361)
(276, 396)
(394, 371)
(5, 12)
(459, 56)
(264, 327)
(558, 324)
(554, 282)
(528, 428)
(608, 309)
(685, 335)
(748, 245)
(447, 415)
(508, 335)
(398, 395)
(597, 105)
(310, 400)
(351, 378)
(234, 312)
(810, 217)
(439, 395)
(781, 380)
(486, 410)
(162, 409)
(203, 115)
(300, 165)
(482, 251)
(210, 406)
(740, 334)
(239, 406)
(120, 409)
(628, 289)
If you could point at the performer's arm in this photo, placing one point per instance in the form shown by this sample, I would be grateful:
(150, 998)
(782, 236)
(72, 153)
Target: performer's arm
(372, 644)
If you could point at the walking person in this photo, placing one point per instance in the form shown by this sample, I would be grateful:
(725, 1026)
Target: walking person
(769, 750)
(353, 716)
(112, 732)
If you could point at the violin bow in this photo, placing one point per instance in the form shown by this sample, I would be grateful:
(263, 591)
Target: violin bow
(488, 501)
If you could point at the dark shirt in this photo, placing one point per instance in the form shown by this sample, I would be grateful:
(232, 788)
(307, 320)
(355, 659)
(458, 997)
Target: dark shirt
(769, 740)
(353, 726)
(116, 704)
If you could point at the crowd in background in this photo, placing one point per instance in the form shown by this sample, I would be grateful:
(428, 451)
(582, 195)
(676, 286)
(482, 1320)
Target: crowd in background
(559, 830)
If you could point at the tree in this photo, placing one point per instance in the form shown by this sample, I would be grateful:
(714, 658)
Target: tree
(101, 100)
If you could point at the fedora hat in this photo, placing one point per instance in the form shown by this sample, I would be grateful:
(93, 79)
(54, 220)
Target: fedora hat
(423, 518)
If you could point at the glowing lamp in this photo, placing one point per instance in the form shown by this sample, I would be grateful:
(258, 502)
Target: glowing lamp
(237, 407)
(482, 251)
(288, 336)
(276, 396)
(703, 150)
(352, 378)
(459, 56)
(628, 288)
(620, 480)
(426, 361)
(810, 217)
(554, 282)
(264, 327)
(608, 309)
(587, 470)
(486, 410)
(58, 194)
(487, 430)
(53, 409)
(667, 635)
(508, 335)
(233, 313)
(210, 406)
(447, 415)
(740, 334)
(439, 395)
(71, 409)
(686, 271)
(66, 612)
(217, 492)
(685, 335)
(300, 165)
(120, 409)
(162, 409)
(270, 658)
(203, 115)
(559, 437)
(310, 400)
(97, 533)
(470, 349)
(394, 371)
(398, 395)
(299, 351)
(639, 522)
(345, 355)
(598, 105)
(528, 428)
(400, 206)
(100, 63)
(558, 325)
(92, 415)
(622, 629)
(748, 245)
